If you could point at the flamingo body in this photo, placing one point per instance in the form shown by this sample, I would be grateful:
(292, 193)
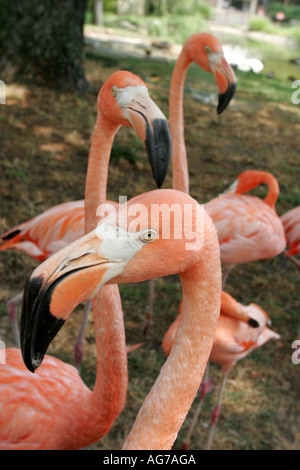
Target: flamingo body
(248, 229)
(48, 232)
(291, 223)
(234, 339)
(38, 410)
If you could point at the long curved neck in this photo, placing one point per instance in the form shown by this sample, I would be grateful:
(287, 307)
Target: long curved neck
(263, 177)
(180, 172)
(229, 305)
(109, 394)
(273, 186)
(97, 171)
(166, 406)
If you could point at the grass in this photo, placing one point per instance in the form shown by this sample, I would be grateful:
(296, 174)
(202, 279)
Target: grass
(43, 157)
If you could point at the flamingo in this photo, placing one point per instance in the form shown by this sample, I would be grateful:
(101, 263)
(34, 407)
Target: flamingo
(248, 227)
(48, 232)
(123, 100)
(234, 339)
(291, 224)
(132, 247)
(206, 51)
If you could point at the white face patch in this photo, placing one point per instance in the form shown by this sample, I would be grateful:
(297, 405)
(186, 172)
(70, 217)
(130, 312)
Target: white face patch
(119, 246)
(128, 95)
(214, 59)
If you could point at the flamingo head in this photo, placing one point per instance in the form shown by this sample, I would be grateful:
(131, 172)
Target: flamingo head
(207, 52)
(131, 244)
(124, 100)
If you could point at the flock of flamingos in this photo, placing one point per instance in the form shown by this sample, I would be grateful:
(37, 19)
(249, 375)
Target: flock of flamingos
(44, 403)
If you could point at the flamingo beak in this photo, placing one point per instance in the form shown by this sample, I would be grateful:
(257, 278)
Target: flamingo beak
(71, 276)
(225, 80)
(153, 129)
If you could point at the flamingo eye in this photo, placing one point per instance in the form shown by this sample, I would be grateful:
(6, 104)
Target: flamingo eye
(114, 91)
(148, 235)
(207, 49)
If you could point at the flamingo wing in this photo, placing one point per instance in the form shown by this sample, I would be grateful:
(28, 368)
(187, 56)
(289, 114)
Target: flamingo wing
(248, 229)
(48, 232)
(33, 406)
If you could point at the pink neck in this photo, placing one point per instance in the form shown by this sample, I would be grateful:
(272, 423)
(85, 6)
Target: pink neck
(180, 172)
(97, 171)
(263, 177)
(273, 186)
(166, 406)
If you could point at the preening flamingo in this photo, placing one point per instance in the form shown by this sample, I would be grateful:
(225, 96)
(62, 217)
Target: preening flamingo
(234, 339)
(134, 249)
(123, 100)
(248, 227)
(206, 51)
(291, 224)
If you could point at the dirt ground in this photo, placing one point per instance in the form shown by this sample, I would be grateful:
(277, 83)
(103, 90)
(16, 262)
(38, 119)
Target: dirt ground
(45, 140)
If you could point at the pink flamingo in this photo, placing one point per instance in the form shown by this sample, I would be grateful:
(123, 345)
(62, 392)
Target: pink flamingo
(129, 251)
(249, 228)
(291, 224)
(45, 234)
(206, 51)
(234, 339)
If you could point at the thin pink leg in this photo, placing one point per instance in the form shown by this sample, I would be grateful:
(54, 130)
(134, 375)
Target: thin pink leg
(149, 315)
(294, 260)
(226, 272)
(205, 389)
(216, 412)
(11, 306)
(78, 348)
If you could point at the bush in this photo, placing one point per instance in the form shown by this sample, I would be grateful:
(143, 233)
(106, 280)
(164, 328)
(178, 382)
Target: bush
(259, 23)
(292, 12)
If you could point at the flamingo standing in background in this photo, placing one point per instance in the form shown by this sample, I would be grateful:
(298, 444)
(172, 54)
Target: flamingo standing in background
(45, 234)
(234, 339)
(206, 51)
(40, 237)
(133, 249)
(249, 228)
(291, 224)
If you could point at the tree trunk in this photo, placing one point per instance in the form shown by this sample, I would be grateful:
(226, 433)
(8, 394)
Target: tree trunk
(44, 39)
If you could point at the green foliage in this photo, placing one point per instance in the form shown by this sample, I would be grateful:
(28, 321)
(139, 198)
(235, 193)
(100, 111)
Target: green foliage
(292, 12)
(177, 7)
(261, 23)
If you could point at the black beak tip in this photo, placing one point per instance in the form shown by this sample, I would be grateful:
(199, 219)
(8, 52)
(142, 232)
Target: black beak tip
(253, 323)
(225, 98)
(158, 144)
(38, 325)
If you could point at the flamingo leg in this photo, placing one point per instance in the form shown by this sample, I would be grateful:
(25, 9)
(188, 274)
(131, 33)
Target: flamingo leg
(149, 315)
(217, 411)
(294, 260)
(78, 348)
(11, 306)
(227, 271)
(205, 389)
